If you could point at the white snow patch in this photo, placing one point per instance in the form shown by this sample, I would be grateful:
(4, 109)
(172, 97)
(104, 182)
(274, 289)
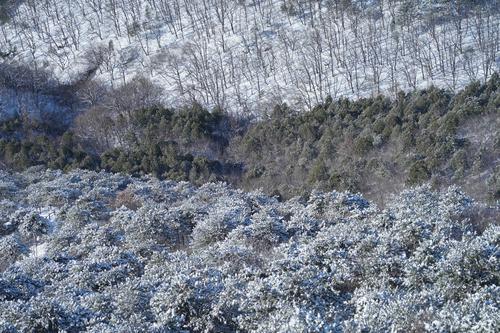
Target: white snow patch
(38, 250)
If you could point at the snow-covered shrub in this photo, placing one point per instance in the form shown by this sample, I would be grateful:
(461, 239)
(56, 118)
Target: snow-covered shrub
(11, 248)
(8, 185)
(223, 214)
(32, 226)
(214, 259)
(7, 208)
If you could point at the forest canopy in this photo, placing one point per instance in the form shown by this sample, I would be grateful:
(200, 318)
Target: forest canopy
(370, 145)
(100, 252)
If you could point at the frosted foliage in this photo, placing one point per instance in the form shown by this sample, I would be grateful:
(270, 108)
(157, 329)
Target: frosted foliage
(215, 259)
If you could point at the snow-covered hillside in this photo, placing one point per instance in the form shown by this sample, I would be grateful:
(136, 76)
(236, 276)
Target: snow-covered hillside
(248, 55)
(142, 255)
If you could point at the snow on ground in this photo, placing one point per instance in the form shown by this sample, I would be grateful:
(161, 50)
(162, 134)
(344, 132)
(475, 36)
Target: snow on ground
(248, 56)
(38, 250)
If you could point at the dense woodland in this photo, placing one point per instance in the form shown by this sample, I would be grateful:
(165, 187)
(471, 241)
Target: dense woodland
(371, 145)
(99, 252)
(249, 166)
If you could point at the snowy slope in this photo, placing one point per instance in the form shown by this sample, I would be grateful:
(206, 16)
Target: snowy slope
(249, 55)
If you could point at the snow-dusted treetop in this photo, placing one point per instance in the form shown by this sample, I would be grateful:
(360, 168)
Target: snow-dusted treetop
(99, 252)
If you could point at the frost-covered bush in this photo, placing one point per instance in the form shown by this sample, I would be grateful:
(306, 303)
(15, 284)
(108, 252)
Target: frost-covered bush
(8, 185)
(215, 259)
(32, 226)
(11, 249)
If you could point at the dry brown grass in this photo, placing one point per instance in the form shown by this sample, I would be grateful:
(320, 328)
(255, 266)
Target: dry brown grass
(126, 198)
